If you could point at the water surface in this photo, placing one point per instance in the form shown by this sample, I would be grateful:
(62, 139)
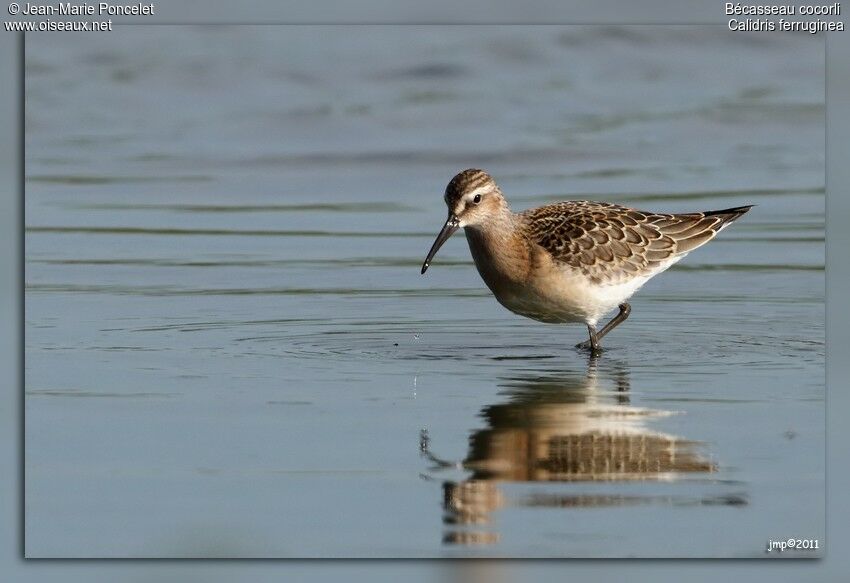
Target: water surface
(230, 350)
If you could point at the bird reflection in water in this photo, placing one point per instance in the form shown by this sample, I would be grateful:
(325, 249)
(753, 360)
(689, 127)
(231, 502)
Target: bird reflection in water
(561, 426)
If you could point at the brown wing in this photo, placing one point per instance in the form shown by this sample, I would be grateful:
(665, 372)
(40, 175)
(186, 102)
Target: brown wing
(610, 243)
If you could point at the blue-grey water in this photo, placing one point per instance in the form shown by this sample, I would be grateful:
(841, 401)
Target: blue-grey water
(230, 351)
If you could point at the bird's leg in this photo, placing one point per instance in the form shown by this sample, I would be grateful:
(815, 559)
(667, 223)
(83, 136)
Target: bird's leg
(595, 337)
(593, 343)
(625, 310)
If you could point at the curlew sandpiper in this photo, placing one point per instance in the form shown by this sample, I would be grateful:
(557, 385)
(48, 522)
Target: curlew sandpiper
(572, 261)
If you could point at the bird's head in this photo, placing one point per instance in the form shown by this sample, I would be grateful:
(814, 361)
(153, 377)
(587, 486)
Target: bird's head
(473, 199)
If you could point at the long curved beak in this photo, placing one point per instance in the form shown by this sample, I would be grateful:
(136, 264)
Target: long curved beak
(452, 225)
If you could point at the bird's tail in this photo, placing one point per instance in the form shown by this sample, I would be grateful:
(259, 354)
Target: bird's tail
(694, 230)
(729, 215)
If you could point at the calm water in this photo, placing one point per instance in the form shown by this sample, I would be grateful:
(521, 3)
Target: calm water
(231, 352)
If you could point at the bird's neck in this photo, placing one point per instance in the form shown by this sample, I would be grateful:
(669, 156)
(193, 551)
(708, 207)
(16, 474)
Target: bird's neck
(498, 248)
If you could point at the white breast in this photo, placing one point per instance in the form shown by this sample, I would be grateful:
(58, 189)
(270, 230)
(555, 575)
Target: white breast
(564, 295)
(541, 289)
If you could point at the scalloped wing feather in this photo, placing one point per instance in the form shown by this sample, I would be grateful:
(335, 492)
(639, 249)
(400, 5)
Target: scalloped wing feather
(610, 244)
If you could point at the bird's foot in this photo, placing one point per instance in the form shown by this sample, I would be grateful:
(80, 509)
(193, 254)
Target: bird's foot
(586, 345)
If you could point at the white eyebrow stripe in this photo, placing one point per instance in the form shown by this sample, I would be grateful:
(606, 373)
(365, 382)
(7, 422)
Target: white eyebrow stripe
(480, 190)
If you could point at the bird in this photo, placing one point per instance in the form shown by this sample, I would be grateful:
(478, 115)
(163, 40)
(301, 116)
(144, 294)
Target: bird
(572, 261)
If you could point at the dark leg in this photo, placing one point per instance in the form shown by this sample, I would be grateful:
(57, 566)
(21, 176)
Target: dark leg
(595, 337)
(593, 343)
(625, 310)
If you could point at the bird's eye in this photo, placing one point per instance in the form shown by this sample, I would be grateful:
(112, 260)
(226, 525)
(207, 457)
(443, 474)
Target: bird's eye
(477, 199)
